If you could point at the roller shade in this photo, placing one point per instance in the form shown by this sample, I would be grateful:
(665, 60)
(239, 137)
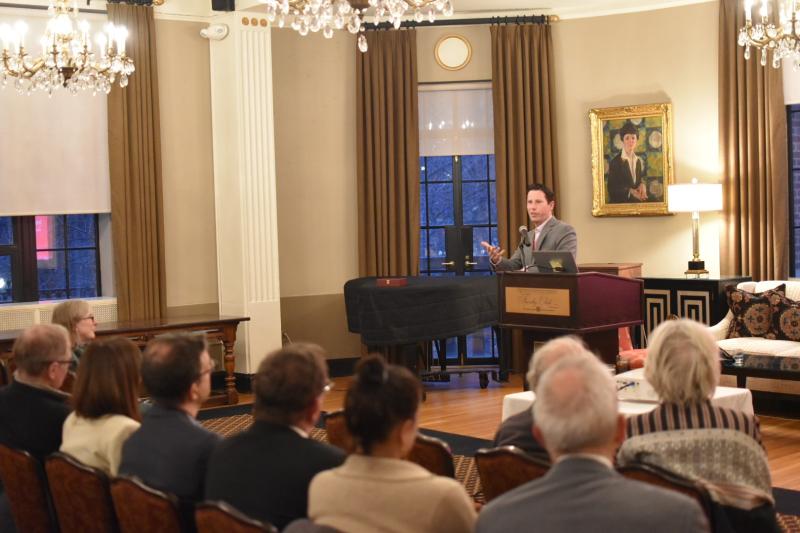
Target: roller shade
(456, 119)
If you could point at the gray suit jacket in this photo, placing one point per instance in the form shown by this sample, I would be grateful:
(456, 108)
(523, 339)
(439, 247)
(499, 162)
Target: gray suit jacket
(517, 430)
(580, 494)
(556, 236)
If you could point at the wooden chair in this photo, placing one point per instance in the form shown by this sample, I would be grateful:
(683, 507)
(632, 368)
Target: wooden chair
(338, 434)
(80, 495)
(219, 517)
(141, 508)
(26, 490)
(433, 454)
(506, 467)
(654, 475)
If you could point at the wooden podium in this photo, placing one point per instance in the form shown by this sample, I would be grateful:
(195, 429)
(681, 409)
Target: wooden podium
(591, 305)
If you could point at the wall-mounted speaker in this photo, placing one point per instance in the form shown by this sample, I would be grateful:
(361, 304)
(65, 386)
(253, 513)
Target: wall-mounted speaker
(223, 5)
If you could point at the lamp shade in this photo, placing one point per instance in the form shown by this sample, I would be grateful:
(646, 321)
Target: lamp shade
(695, 197)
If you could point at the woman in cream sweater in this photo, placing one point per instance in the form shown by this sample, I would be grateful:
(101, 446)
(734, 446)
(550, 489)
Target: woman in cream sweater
(375, 490)
(105, 401)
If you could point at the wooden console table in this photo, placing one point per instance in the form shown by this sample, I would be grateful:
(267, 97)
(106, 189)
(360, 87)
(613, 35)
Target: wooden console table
(215, 328)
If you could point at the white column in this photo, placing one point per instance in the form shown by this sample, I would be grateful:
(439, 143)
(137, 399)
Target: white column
(244, 184)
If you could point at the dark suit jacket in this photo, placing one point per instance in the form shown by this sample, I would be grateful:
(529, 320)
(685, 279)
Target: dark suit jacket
(580, 494)
(31, 418)
(620, 180)
(169, 452)
(517, 430)
(556, 236)
(265, 471)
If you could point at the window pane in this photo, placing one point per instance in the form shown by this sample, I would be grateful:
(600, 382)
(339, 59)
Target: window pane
(81, 231)
(6, 231)
(473, 167)
(440, 204)
(5, 279)
(49, 234)
(794, 135)
(479, 252)
(475, 202)
(421, 169)
(423, 205)
(491, 167)
(493, 203)
(82, 272)
(423, 250)
(436, 248)
(480, 344)
(52, 276)
(439, 168)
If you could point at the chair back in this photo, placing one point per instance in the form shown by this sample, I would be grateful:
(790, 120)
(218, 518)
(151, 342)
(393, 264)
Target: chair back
(5, 376)
(654, 475)
(433, 454)
(219, 517)
(338, 434)
(304, 525)
(80, 495)
(506, 467)
(26, 490)
(141, 508)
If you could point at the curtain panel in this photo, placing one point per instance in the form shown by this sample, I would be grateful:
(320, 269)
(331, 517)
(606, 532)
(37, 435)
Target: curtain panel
(754, 155)
(524, 120)
(387, 134)
(135, 173)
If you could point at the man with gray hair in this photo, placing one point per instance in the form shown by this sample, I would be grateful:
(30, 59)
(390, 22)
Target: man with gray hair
(517, 429)
(578, 422)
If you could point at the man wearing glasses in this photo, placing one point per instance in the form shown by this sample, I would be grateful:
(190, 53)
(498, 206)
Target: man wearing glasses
(170, 451)
(32, 409)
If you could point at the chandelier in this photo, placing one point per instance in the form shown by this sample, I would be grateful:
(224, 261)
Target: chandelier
(782, 39)
(67, 58)
(329, 15)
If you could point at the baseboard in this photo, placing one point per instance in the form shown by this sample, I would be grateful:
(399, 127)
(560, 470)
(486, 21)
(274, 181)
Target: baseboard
(339, 368)
(244, 382)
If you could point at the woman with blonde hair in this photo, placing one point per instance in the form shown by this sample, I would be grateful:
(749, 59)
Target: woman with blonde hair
(105, 399)
(77, 317)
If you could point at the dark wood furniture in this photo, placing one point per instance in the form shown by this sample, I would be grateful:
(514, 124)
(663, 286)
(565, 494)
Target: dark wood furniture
(215, 328)
(591, 305)
(141, 508)
(762, 366)
(506, 467)
(703, 300)
(219, 517)
(26, 489)
(338, 434)
(623, 270)
(81, 496)
(434, 455)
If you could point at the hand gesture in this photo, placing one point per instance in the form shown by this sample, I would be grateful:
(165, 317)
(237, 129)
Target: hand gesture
(495, 252)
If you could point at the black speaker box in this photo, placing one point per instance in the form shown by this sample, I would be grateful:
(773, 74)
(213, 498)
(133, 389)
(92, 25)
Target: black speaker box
(223, 5)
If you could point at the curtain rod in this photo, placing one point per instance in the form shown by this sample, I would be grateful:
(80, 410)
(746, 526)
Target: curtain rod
(522, 19)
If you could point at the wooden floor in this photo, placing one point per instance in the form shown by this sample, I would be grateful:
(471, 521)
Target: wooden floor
(462, 407)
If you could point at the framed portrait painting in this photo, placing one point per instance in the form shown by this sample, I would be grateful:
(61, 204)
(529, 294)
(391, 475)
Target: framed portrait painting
(631, 160)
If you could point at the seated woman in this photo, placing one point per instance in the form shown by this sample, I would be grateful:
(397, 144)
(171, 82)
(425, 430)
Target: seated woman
(687, 434)
(105, 401)
(76, 316)
(375, 489)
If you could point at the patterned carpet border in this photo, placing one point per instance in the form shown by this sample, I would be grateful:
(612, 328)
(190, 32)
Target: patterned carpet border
(466, 471)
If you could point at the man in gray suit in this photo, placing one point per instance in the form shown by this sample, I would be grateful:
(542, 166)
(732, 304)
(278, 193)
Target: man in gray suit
(577, 420)
(548, 235)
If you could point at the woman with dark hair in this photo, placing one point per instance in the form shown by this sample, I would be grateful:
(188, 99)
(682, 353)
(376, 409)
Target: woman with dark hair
(375, 489)
(105, 398)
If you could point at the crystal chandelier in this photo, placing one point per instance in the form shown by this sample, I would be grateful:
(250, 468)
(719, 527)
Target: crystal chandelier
(329, 15)
(782, 39)
(67, 59)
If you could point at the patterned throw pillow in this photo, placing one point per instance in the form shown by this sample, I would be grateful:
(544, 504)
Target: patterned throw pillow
(785, 318)
(752, 312)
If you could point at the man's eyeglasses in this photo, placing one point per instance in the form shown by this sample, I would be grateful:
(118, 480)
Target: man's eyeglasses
(65, 362)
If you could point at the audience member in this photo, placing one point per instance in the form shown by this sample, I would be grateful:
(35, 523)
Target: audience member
(375, 489)
(689, 435)
(264, 471)
(32, 409)
(170, 451)
(517, 430)
(105, 401)
(77, 317)
(577, 420)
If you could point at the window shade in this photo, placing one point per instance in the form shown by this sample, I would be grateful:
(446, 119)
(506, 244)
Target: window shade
(53, 150)
(456, 119)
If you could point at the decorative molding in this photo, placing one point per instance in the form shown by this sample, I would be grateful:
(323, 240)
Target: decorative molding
(657, 305)
(695, 305)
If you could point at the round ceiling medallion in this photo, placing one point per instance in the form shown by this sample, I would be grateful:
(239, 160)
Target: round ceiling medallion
(453, 52)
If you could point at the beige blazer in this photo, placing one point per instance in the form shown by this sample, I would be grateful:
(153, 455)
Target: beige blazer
(97, 442)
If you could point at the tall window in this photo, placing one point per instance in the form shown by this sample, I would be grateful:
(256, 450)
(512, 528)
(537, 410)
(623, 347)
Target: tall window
(49, 257)
(793, 122)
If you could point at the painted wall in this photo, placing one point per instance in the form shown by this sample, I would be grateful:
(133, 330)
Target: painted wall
(636, 59)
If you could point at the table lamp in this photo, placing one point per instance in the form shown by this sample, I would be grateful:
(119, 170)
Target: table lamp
(693, 198)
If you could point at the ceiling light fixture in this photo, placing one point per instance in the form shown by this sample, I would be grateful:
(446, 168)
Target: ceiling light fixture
(782, 39)
(329, 15)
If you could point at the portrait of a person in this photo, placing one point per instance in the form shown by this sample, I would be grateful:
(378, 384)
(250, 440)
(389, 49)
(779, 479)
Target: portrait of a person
(626, 170)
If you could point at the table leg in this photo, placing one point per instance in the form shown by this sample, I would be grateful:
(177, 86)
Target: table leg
(229, 340)
(741, 381)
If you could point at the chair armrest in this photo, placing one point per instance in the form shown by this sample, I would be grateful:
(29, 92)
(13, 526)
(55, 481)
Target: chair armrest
(720, 330)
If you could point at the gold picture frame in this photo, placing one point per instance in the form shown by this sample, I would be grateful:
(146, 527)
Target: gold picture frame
(631, 160)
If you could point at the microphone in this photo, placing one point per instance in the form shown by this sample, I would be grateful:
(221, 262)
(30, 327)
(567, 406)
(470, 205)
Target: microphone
(523, 233)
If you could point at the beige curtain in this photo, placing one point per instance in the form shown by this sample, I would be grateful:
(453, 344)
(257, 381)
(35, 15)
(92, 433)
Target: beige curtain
(135, 166)
(524, 120)
(753, 149)
(388, 154)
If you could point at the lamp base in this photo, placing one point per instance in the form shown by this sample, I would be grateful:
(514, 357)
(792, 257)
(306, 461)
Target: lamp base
(696, 268)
